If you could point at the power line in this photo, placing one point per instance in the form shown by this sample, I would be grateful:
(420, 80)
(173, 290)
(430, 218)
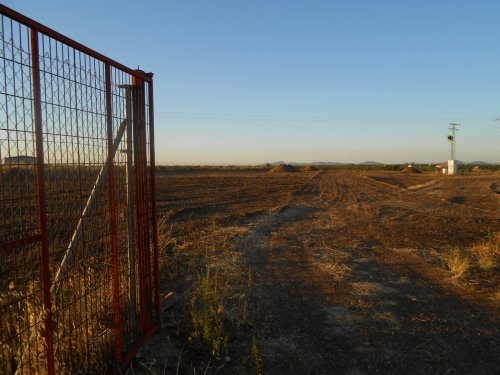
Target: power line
(299, 118)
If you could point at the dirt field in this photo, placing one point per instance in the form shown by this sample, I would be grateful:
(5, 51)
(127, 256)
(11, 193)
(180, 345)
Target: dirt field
(331, 273)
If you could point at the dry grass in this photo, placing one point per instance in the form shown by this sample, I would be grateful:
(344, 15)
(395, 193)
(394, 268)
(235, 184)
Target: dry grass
(329, 260)
(488, 252)
(25, 312)
(337, 270)
(458, 263)
(22, 349)
(481, 257)
(496, 296)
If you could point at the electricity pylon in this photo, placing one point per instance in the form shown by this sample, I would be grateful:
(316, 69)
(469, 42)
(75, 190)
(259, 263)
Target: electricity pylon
(452, 137)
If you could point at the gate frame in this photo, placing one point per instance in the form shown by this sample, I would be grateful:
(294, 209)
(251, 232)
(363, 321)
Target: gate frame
(150, 286)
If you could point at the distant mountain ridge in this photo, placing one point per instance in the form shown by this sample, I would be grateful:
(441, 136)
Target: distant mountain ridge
(374, 163)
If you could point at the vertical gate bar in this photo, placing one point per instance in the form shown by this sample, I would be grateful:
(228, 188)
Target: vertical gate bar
(130, 204)
(42, 203)
(112, 210)
(152, 170)
(142, 206)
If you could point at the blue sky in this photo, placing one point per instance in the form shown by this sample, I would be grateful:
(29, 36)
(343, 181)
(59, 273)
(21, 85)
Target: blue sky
(244, 82)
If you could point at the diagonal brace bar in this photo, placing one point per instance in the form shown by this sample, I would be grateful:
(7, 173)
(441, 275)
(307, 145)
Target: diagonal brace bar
(91, 201)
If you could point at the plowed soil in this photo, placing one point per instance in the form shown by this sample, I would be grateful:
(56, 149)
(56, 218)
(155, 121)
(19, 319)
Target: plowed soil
(349, 271)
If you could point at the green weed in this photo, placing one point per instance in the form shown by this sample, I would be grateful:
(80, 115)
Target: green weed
(208, 311)
(257, 358)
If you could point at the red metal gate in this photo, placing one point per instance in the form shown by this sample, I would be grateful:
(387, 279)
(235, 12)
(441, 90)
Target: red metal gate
(79, 286)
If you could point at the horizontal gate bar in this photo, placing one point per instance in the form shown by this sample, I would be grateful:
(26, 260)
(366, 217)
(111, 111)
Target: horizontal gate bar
(20, 243)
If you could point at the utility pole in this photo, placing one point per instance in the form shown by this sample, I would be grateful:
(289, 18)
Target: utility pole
(452, 137)
(452, 163)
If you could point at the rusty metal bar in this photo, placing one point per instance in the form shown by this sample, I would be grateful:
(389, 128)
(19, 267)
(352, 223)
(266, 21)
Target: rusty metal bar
(142, 207)
(152, 171)
(20, 243)
(113, 225)
(42, 203)
(70, 42)
(129, 176)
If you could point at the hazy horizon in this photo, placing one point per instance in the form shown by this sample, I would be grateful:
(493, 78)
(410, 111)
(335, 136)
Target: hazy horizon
(255, 82)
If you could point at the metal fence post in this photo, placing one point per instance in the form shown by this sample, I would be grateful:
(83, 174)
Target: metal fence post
(42, 202)
(113, 225)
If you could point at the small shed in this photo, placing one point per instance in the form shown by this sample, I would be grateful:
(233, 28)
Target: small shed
(442, 167)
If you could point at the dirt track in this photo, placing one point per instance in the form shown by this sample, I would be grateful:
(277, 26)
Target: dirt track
(348, 268)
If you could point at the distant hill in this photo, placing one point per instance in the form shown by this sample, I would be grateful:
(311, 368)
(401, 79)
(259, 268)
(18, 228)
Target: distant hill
(369, 162)
(479, 163)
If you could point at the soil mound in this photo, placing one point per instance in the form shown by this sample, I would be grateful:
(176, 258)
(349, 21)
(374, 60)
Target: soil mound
(309, 168)
(411, 169)
(283, 168)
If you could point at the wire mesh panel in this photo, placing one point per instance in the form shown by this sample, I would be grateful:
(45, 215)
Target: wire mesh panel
(78, 278)
(21, 290)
